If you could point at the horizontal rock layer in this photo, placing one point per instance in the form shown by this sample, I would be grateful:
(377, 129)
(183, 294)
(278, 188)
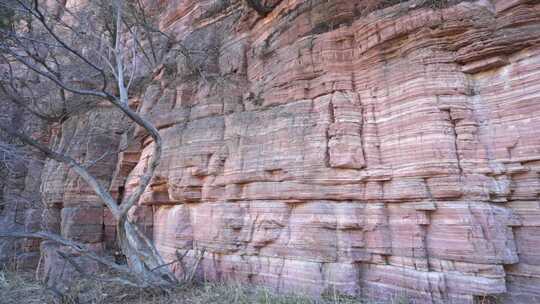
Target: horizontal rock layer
(334, 146)
(392, 153)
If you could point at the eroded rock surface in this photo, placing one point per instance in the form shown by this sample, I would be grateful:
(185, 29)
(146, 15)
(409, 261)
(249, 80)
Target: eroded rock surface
(72, 209)
(342, 146)
(20, 180)
(393, 153)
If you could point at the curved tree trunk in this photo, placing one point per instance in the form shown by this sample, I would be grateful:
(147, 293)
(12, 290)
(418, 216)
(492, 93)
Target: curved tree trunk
(145, 262)
(142, 256)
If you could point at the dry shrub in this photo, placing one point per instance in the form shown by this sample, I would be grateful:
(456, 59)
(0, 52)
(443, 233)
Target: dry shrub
(22, 288)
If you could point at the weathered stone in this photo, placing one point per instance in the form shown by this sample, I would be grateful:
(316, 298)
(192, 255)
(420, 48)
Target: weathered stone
(388, 151)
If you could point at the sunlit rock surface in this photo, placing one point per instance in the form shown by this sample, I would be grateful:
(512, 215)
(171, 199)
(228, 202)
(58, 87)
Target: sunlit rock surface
(392, 153)
(335, 146)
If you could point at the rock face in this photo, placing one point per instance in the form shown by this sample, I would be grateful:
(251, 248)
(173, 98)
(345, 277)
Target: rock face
(20, 179)
(72, 209)
(393, 153)
(339, 146)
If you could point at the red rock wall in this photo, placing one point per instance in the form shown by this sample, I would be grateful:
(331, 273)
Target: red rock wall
(392, 153)
(341, 145)
(72, 209)
(20, 179)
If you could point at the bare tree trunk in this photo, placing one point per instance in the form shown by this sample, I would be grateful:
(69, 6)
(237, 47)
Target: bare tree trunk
(142, 255)
(144, 261)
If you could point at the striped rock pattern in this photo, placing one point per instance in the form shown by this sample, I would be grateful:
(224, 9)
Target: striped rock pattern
(332, 146)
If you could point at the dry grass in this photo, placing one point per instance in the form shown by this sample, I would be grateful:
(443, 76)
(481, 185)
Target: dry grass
(21, 288)
(18, 288)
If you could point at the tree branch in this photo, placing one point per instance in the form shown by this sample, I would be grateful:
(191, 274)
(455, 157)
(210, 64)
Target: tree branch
(77, 247)
(70, 162)
(41, 17)
(86, 274)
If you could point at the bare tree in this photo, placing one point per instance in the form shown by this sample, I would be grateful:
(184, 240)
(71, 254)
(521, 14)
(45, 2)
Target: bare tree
(95, 53)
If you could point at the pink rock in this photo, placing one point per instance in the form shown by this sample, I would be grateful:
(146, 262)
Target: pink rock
(394, 157)
(391, 152)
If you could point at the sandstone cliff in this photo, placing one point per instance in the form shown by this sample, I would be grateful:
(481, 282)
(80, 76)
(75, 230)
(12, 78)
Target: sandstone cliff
(20, 181)
(386, 150)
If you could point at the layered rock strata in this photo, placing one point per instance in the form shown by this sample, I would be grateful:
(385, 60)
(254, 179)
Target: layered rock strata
(392, 153)
(72, 209)
(357, 147)
(20, 180)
